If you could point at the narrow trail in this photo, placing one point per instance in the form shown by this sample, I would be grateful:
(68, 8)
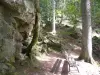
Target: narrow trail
(56, 64)
(53, 63)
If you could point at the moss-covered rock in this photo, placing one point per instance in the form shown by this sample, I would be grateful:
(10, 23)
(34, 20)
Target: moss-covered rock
(7, 48)
(11, 39)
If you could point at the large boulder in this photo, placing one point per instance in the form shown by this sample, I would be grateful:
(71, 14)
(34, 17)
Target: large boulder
(15, 21)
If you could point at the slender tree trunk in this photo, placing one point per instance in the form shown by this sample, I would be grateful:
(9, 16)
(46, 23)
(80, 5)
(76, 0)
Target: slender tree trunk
(35, 28)
(86, 32)
(53, 23)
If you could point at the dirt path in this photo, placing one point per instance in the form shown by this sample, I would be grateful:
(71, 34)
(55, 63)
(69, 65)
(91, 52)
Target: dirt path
(55, 64)
(51, 64)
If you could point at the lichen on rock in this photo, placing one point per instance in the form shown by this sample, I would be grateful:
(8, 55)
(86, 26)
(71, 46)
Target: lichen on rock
(11, 37)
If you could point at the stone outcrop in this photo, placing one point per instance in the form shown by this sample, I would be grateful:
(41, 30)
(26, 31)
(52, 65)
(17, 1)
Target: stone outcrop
(16, 23)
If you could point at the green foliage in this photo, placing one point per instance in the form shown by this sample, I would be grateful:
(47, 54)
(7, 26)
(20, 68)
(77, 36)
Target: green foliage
(69, 8)
(46, 8)
(7, 69)
(60, 7)
(96, 40)
(96, 11)
(96, 43)
(97, 31)
(73, 11)
(96, 17)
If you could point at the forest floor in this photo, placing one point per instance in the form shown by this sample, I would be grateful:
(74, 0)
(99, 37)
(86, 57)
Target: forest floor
(55, 63)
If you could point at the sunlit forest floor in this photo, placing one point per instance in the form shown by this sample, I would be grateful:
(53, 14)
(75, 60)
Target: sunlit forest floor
(54, 61)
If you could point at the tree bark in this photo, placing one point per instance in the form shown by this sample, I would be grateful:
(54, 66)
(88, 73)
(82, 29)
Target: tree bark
(35, 29)
(86, 53)
(53, 23)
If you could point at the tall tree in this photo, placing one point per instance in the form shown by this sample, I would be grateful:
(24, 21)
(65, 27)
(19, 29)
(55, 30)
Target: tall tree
(86, 53)
(53, 21)
(35, 28)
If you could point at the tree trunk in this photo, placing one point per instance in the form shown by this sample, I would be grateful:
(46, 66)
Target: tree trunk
(53, 23)
(35, 29)
(86, 53)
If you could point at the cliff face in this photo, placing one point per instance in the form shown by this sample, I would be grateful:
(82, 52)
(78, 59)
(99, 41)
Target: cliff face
(16, 23)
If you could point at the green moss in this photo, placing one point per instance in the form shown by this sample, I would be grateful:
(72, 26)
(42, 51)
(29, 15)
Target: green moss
(35, 35)
(7, 68)
(54, 46)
